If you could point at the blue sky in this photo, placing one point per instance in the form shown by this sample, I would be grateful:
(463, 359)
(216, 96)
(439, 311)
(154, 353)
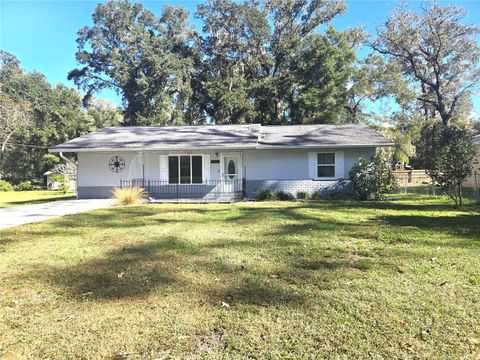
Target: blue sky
(42, 33)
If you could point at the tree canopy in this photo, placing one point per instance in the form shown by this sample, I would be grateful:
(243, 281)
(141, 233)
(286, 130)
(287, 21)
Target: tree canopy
(263, 62)
(437, 52)
(35, 115)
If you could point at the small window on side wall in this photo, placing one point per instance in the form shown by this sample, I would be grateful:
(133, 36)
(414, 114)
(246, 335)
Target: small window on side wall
(326, 165)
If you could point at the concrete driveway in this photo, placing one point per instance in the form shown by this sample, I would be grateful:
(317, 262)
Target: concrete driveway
(19, 215)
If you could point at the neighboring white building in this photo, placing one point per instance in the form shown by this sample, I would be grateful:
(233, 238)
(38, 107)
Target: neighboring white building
(52, 183)
(220, 162)
(470, 182)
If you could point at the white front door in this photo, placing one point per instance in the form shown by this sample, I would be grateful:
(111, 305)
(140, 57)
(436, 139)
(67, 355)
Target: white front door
(231, 167)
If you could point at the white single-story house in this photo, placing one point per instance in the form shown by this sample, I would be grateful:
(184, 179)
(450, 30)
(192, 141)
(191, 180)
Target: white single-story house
(219, 162)
(471, 182)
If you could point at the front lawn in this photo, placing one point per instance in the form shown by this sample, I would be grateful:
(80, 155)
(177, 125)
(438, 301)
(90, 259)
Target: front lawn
(250, 280)
(15, 198)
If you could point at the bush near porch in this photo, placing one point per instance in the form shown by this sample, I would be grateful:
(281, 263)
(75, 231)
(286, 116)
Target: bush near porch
(261, 280)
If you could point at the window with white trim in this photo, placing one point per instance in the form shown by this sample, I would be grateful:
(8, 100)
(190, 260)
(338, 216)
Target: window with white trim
(185, 169)
(325, 165)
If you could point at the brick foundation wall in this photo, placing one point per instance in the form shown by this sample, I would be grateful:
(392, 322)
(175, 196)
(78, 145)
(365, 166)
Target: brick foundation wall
(294, 186)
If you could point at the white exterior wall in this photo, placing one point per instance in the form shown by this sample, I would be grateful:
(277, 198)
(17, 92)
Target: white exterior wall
(286, 169)
(292, 164)
(289, 170)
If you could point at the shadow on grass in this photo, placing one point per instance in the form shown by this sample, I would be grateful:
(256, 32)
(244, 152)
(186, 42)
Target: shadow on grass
(169, 264)
(465, 226)
(37, 201)
(129, 271)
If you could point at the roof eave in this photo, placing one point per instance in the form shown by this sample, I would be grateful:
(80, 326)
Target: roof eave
(258, 147)
(323, 146)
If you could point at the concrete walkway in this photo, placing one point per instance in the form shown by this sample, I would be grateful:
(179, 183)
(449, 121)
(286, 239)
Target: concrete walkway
(19, 215)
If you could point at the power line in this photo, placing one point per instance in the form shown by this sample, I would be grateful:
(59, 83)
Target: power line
(30, 145)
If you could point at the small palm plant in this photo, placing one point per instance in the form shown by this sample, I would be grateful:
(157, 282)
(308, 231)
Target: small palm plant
(129, 196)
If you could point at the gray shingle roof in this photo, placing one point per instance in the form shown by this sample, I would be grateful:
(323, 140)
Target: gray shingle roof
(320, 135)
(476, 140)
(251, 136)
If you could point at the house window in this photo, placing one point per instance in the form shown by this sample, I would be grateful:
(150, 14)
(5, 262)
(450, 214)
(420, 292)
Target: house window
(326, 165)
(185, 169)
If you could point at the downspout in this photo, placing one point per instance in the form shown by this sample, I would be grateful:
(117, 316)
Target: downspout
(74, 166)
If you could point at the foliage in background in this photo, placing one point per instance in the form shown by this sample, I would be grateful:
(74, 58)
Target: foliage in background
(438, 54)
(5, 186)
(148, 60)
(449, 153)
(57, 115)
(129, 196)
(262, 62)
(24, 186)
(15, 116)
(372, 179)
(63, 181)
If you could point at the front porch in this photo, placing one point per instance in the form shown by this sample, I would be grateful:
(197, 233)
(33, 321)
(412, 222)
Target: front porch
(211, 190)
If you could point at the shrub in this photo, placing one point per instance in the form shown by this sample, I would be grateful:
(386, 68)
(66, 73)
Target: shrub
(5, 186)
(449, 153)
(302, 195)
(264, 195)
(129, 196)
(64, 182)
(284, 196)
(316, 195)
(372, 179)
(25, 186)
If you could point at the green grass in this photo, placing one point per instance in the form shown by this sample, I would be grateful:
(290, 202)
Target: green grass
(15, 198)
(394, 280)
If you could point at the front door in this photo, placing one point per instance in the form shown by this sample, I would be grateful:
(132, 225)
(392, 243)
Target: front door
(231, 171)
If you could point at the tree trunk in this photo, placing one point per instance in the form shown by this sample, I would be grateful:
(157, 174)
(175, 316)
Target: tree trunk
(1, 163)
(445, 119)
(460, 196)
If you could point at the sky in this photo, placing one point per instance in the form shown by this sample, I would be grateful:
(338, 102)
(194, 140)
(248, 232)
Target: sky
(42, 34)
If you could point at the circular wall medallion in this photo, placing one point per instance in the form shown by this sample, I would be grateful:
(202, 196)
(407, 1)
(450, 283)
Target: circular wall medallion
(116, 164)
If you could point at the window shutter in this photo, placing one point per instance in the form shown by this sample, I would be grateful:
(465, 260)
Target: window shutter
(206, 167)
(164, 167)
(312, 165)
(339, 165)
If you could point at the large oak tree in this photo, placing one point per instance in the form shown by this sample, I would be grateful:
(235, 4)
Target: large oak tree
(438, 53)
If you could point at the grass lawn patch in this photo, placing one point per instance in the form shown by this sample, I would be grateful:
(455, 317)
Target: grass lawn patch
(269, 280)
(15, 198)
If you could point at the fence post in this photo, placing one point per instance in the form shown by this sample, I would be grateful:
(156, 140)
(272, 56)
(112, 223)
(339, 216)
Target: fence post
(243, 188)
(477, 190)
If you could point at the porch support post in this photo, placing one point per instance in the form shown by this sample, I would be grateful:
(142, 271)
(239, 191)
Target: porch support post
(143, 169)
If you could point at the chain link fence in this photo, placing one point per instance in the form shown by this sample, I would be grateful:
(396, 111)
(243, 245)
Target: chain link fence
(418, 182)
